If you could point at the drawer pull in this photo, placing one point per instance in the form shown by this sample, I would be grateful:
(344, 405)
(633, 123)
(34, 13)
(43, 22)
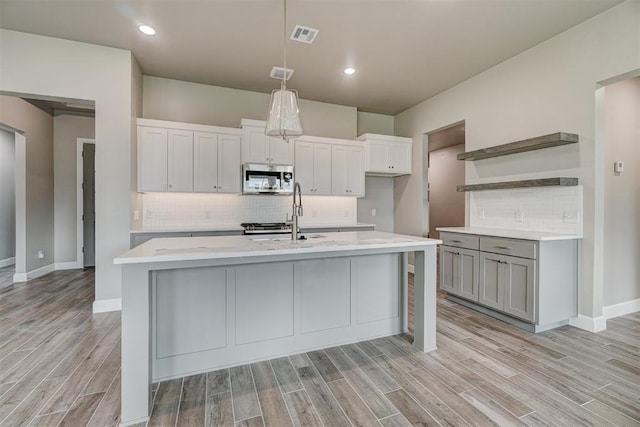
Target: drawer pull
(456, 241)
(504, 248)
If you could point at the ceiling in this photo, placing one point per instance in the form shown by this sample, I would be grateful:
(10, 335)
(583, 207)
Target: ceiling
(404, 51)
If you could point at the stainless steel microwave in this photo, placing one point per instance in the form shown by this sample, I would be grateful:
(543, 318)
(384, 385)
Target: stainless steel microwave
(259, 178)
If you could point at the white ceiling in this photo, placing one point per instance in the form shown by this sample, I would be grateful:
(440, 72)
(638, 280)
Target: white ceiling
(404, 51)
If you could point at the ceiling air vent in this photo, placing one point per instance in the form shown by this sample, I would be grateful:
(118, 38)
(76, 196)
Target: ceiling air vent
(280, 73)
(304, 34)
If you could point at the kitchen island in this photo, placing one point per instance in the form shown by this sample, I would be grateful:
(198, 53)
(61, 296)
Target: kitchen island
(200, 304)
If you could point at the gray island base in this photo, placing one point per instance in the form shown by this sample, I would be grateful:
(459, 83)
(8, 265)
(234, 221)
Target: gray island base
(198, 304)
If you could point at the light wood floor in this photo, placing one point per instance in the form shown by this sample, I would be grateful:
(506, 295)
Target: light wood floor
(6, 275)
(59, 365)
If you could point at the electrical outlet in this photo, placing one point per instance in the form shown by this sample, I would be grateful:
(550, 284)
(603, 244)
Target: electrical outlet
(570, 217)
(149, 214)
(519, 216)
(481, 214)
(373, 212)
(40, 254)
(136, 215)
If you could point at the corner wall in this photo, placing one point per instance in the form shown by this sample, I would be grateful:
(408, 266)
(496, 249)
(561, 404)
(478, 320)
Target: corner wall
(622, 193)
(548, 88)
(39, 203)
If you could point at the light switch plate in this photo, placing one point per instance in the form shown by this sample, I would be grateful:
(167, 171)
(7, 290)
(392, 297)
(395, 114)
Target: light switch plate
(519, 216)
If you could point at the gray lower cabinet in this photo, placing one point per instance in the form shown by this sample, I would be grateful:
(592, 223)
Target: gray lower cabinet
(508, 284)
(532, 284)
(459, 271)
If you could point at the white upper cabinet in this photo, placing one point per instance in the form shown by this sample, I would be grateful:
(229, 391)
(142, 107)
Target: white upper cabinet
(387, 155)
(165, 159)
(229, 166)
(347, 170)
(313, 167)
(216, 163)
(152, 159)
(180, 160)
(260, 148)
(183, 157)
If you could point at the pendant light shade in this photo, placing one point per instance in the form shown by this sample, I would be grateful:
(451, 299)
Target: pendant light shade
(284, 116)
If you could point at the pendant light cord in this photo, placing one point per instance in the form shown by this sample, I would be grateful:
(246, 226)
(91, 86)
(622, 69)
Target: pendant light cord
(284, 46)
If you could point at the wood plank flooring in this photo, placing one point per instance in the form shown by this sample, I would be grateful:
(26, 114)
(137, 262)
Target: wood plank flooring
(6, 275)
(60, 366)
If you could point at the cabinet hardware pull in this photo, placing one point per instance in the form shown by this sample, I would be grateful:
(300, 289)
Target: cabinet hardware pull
(504, 248)
(456, 241)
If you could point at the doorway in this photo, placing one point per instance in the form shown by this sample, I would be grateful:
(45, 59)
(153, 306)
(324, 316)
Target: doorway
(7, 207)
(445, 205)
(86, 217)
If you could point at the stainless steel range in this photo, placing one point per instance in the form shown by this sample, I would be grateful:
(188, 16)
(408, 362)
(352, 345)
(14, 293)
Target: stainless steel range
(266, 228)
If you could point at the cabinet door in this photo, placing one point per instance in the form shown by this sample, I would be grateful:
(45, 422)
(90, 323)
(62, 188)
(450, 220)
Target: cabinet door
(401, 157)
(322, 169)
(448, 269)
(519, 287)
(280, 151)
(180, 160)
(229, 166)
(339, 170)
(378, 157)
(205, 162)
(255, 146)
(356, 171)
(152, 159)
(303, 172)
(468, 265)
(491, 283)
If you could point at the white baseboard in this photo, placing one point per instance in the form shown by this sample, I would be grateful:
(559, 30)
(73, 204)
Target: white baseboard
(621, 309)
(411, 268)
(34, 274)
(72, 265)
(7, 262)
(105, 305)
(19, 277)
(591, 324)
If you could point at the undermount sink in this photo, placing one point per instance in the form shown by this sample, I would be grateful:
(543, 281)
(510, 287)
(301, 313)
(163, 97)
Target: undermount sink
(285, 238)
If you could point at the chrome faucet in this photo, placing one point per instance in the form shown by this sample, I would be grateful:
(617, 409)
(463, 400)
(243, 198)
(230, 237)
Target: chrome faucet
(297, 211)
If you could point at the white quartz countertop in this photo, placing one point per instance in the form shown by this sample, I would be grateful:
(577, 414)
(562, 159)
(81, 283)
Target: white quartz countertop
(511, 234)
(196, 229)
(219, 247)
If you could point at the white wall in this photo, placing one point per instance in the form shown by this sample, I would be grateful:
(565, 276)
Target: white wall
(178, 101)
(622, 193)
(374, 123)
(379, 196)
(38, 131)
(66, 130)
(7, 195)
(32, 64)
(446, 205)
(546, 89)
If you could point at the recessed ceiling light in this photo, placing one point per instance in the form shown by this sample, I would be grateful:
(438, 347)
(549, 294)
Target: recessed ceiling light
(349, 71)
(147, 30)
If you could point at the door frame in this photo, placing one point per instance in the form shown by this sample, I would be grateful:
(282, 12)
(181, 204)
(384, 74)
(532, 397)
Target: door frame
(79, 200)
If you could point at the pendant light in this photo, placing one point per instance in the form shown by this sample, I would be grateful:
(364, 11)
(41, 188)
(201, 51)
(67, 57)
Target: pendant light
(284, 116)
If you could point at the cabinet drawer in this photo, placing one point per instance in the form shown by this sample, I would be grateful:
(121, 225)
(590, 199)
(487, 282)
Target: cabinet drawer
(460, 240)
(519, 248)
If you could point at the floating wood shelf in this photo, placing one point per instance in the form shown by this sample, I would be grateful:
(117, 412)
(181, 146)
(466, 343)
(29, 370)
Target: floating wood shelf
(546, 141)
(544, 182)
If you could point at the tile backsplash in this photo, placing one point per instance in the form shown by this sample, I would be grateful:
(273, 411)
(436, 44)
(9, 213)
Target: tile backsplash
(553, 209)
(202, 210)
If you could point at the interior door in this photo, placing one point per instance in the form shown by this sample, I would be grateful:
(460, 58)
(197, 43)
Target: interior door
(88, 204)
